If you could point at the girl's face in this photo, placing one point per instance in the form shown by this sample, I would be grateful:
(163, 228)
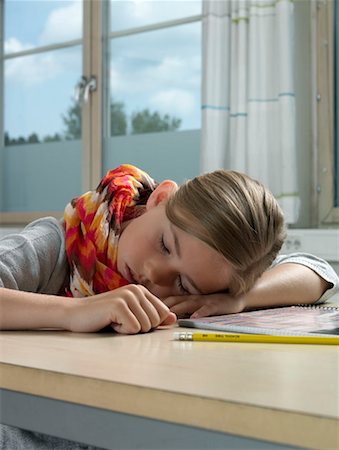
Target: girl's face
(165, 259)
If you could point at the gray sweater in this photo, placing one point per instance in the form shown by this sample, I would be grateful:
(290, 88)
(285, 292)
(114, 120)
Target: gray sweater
(34, 260)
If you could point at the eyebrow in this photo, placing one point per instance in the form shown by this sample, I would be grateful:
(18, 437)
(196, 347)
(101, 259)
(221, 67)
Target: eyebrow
(178, 252)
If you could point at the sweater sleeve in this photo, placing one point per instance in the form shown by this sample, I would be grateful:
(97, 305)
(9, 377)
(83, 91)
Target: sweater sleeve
(34, 260)
(318, 265)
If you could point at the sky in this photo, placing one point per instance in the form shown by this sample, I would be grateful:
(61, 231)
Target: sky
(159, 70)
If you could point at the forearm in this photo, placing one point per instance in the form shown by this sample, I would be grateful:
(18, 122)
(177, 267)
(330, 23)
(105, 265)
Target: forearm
(283, 285)
(28, 311)
(130, 309)
(286, 284)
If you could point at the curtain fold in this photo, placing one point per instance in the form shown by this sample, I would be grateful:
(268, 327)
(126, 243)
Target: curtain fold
(248, 98)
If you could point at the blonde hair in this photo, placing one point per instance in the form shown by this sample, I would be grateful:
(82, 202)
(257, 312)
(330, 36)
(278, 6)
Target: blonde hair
(234, 214)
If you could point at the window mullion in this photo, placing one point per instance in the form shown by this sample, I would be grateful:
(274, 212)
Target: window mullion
(91, 111)
(2, 104)
(325, 114)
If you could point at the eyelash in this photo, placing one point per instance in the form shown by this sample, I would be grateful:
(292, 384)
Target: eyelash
(164, 249)
(181, 286)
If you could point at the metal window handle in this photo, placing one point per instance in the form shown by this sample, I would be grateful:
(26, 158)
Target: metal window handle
(79, 89)
(91, 86)
(83, 88)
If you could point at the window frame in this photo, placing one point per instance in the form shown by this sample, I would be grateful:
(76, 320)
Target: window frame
(325, 213)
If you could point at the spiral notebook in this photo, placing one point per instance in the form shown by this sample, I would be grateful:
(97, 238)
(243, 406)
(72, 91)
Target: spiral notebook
(289, 320)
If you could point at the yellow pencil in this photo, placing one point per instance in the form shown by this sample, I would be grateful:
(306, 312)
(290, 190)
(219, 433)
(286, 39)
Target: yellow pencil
(259, 338)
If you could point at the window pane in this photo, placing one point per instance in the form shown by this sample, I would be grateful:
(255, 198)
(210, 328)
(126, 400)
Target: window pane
(39, 103)
(40, 177)
(34, 23)
(155, 81)
(156, 153)
(129, 14)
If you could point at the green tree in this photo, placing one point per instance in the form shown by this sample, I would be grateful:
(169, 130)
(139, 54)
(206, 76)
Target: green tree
(147, 122)
(53, 138)
(118, 119)
(72, 121)
(141, 121)
(14, 141)
(7, 138)
(33, 139)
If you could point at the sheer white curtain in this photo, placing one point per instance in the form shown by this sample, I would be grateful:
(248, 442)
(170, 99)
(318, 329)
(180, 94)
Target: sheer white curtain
(248, 99)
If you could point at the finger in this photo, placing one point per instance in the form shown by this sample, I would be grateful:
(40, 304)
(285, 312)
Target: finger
(204, 311)
(222, 304)
(188, 306)
(145, 313)
(125, 322)
(170, 319)
(135, 300)
(163, 310)
(153, 316)
(155, 312)
(172, 301)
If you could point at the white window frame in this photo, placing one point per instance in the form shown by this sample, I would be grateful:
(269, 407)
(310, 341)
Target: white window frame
(325, 214)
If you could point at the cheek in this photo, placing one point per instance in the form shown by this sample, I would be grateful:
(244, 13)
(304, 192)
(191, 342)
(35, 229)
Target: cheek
(132, 242)
(125, 247)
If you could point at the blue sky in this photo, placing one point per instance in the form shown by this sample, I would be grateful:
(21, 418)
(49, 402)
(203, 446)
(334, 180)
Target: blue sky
(159, 70)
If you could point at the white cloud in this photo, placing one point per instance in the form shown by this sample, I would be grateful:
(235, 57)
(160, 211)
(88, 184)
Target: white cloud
(169, 85)
(175, 70)
(14, 45)
(32, 69)
(135, 76)
(175, 101)
(128, 14)
(63, 24)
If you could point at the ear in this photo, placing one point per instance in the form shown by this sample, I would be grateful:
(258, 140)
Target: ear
(161, 193)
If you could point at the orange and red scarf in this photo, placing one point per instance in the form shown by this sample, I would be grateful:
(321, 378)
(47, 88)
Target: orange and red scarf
(93, 226)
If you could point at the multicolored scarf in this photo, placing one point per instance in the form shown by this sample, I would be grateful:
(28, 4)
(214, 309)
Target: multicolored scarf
(93, 226)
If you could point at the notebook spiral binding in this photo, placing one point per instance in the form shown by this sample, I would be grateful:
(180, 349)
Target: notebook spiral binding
(327, 308)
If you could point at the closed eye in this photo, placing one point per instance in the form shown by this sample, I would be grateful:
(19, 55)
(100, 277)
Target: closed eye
(181, 287)
(162, 244)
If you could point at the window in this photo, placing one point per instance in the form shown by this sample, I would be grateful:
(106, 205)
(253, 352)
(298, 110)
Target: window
(145, 58)
(40, 65)
(153, 92)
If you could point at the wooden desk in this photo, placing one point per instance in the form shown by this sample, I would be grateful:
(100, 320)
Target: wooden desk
(147, 391)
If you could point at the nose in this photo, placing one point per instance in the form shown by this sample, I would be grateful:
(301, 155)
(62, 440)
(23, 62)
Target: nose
(158, 272)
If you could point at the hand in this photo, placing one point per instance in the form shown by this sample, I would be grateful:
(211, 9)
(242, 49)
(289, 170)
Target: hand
(129, 309)
(197, 306)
